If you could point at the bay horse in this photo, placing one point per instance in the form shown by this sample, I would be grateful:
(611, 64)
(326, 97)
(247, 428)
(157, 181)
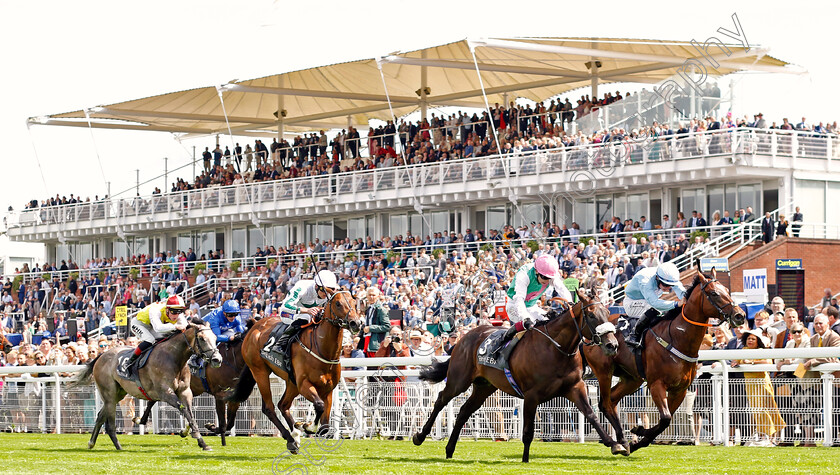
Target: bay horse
(163, 378)
(6, 344)
(669, 357)
(221, 381)
(546, 364)
(315, 355)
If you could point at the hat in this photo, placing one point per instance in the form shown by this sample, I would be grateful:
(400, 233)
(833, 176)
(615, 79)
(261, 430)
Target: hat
(763, 341)
(415, 334)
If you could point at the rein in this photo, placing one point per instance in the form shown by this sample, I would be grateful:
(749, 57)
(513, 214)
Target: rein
(571, 310)
(316, 321)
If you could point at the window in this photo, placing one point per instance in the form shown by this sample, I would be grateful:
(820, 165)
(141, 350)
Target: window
(812, 193)
(239, 246)
(716, 201)
(398, 225)
(356, 228)
(637, 206)
(750, 195)
(693, 199)
(584, 212)
(496, 218)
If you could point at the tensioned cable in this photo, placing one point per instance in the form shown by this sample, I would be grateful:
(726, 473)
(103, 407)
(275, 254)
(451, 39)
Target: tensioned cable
(120, 232)
(417, 206)
(254, 218)
(512, 195)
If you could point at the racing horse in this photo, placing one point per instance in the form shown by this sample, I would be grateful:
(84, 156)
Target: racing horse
(219, 381)
(668, 359)
(546, 364)
(163, 378)
(315, 362)
(6, 344)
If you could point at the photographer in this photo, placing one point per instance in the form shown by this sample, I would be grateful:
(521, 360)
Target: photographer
(393, 346)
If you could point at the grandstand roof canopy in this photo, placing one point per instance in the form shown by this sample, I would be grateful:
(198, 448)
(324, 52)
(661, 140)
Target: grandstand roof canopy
(324, 97)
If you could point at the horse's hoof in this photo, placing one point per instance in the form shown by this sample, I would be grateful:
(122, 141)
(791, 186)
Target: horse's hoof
(417, 439)
(620, 449)
(638, 430)
(136, 420)
(292, 447)
(91, 445)
(309, 429)
(298, 425)
(323, 431)
(207, 448)
(210, 426)
(634, 447)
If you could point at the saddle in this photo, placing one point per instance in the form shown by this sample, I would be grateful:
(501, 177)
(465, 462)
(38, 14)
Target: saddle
(274, 353)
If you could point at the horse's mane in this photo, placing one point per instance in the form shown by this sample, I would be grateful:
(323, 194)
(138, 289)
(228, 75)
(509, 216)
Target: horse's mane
(195, 320)
(675, 312)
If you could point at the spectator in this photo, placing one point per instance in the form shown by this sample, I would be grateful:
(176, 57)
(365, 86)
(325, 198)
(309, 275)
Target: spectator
(768, 421)
(377, 324)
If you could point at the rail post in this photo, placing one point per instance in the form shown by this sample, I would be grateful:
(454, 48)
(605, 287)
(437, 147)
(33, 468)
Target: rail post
(828, 412)
(57, 403)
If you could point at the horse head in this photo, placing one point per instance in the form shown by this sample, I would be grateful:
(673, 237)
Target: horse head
(202, 342)
(7, 346)
(596, 322)
(717, 302)
(340, 310)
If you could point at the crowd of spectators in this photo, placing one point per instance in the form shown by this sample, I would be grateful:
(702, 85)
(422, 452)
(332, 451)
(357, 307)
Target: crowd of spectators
(518, 129)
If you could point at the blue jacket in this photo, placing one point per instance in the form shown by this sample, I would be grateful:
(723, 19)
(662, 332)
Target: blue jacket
(643, 286)
(220, 325)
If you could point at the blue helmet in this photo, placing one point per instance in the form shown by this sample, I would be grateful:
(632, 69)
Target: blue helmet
(230, 306)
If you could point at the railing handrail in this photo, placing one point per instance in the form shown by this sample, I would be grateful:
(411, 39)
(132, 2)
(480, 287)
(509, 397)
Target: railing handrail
(399, 167)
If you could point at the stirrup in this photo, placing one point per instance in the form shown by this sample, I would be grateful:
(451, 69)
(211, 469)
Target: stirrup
(634, 343)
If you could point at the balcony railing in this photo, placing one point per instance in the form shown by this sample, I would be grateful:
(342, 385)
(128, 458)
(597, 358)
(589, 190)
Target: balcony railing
(728, 142)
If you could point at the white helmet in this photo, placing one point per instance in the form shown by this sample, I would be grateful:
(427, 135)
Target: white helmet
(668, 274)
(326, 279)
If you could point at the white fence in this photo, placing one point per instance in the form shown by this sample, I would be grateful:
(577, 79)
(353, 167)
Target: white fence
(720, 408)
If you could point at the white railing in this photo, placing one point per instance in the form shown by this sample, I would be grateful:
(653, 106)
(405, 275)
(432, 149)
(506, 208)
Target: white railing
(727, 142)
(367, 403)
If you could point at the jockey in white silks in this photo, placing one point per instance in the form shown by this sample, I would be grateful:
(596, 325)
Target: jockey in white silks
(642, 296)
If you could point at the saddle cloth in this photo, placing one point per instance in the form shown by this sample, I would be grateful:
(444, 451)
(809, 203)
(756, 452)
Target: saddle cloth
(489, 353)
(132, 372)
(273, 353)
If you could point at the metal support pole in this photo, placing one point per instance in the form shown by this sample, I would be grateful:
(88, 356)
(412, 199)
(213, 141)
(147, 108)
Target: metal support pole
(828, 412)
(424, 79)
(193, 162)
(137, 186)
(57, 402)
(165, 173)
(725, 425)
(718, 436)
(693, 99)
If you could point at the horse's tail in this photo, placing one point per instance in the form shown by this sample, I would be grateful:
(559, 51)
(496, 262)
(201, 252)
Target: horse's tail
(85, 375)
(436, 372)
(243, 387)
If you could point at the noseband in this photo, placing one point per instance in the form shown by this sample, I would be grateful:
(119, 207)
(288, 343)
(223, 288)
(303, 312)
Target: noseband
(339, 322)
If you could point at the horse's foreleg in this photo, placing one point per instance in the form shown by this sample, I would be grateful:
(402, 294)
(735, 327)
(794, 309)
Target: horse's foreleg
(529, 413)
(476, 399)
(452, 389)
(580, 398)
(232, 407)
(220, 414)
(110, 409)
(610, 397)
(310, 392)
(146, 414)
(100, 419)
(666, 405)
(183, 403)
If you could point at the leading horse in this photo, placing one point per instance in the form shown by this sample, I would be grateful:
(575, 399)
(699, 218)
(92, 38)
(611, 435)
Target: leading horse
(546, 364)
(669, 357)
(315, 362)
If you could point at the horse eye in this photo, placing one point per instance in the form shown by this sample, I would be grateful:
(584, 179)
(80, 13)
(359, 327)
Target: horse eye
(715, 294)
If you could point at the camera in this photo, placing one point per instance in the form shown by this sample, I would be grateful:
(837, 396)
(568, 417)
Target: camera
(396, 339)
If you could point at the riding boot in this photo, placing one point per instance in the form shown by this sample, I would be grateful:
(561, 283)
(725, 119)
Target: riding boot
(525, 324)
(283, 342)
(635, 340)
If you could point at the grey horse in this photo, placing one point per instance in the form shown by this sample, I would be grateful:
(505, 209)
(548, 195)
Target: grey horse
(165, 377)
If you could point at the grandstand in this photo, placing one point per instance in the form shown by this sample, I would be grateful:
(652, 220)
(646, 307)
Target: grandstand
(419, 208)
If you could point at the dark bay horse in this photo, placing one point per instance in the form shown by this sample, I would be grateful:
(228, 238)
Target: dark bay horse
(163, 378)
(543, 368)
(221, 381)
(668, 373)
(315, 360)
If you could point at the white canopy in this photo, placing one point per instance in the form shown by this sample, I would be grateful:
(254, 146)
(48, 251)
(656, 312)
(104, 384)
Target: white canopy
(336, 95)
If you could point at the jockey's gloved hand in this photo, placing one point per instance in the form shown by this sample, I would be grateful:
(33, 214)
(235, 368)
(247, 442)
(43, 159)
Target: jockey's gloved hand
(527, 323)
(236, 337)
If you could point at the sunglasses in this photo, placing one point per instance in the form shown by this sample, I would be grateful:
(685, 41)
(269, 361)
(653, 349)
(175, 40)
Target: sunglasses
(796, 331)
(176, 311)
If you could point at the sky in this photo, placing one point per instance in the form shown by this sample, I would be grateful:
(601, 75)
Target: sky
(62, 56)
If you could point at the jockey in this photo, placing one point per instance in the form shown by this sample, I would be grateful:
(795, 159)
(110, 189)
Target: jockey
(642, 296)
(155, 322)
(530, 282)
(225, 322)
(305, 301)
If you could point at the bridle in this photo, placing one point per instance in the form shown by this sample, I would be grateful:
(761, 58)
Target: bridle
(586, 317)
(195, 346)
(339, 322)
(720, 310)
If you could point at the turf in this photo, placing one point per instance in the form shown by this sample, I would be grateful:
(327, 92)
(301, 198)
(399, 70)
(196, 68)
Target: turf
(35, 453)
